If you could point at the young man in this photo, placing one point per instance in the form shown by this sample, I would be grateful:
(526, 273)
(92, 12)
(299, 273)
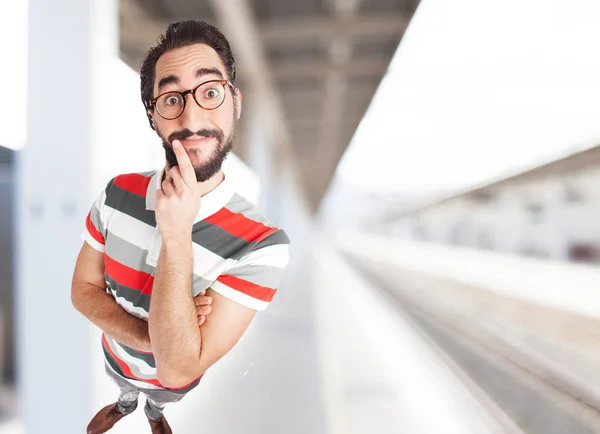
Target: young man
(175, 263)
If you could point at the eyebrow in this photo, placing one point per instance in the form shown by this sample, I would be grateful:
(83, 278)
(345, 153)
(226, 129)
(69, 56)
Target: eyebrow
(173, 79)
(209, 71)
(169, 79)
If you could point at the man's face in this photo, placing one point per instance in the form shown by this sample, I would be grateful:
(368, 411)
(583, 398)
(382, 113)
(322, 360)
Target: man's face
(206, 135)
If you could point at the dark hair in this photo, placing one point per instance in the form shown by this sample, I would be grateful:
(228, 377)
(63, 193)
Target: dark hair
(182, 34)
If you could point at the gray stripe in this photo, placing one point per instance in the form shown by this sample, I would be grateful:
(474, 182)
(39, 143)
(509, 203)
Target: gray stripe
(134, 296)
(278, 237)
(134, 257)
(199, 284)
(127, 253)
(207, 235)
(97, 220)
(134, 369)
(240, 205)
(137, 299)
(148, 358)
(130, 204)
(226, 245)
(262, 275)
(148, 174)
(158, 395)
(110, 360)
(217, 240)
(109, 185)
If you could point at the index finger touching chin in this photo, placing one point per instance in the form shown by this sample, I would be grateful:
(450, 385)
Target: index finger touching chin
(185, 164)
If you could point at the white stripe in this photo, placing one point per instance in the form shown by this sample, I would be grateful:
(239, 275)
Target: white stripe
(145, 369)
(128, 306)
(130, 229)
(87, 237)
(140, 384)
(277, 256)
(207, 264)
(102, 208)
(239, 297)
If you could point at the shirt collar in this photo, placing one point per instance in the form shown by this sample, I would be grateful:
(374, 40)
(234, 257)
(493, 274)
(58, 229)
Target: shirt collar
(211, 202)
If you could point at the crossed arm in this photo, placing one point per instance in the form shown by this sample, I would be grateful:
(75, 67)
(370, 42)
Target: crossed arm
(182, 349)
(89, 296)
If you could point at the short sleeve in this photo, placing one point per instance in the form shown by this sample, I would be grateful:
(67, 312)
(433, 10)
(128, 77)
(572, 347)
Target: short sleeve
(94, 230)
(254, 279)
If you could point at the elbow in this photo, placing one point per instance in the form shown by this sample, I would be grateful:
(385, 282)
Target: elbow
(175, 380)
(177, 376)
(79, 299)
(84, 296)
(75, 299)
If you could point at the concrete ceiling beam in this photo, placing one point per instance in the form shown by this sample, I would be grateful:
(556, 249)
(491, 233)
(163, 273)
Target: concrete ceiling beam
(363, 66)
(283, 32)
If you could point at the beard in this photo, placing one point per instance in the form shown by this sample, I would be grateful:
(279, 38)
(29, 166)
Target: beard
(208, 168)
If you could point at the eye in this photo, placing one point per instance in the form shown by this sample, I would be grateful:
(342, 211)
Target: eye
(171, 100)
(213, 93)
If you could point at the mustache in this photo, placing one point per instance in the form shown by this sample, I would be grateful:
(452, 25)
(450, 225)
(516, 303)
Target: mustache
(186, 134)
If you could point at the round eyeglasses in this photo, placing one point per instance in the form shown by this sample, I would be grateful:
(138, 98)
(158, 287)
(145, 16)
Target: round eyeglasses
(208, 95)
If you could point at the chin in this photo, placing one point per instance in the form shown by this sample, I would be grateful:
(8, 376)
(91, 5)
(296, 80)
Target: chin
(200, 155)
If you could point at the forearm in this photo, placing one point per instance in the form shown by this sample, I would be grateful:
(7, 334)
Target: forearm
(101, 309)
(173, 325)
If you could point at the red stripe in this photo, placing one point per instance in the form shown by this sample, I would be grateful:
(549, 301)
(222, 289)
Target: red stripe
(127, 371)
(127, 276)
(133, 183)
(125, 367)
(240, 226)
(95, 233)
(260, 292)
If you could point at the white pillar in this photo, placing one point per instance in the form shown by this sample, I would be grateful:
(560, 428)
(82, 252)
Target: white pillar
(58, 174)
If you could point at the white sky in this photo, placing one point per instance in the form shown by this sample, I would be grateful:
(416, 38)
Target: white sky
(479, 89)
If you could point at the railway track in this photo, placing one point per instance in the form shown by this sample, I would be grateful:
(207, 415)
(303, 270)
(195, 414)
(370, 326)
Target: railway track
(526, 394)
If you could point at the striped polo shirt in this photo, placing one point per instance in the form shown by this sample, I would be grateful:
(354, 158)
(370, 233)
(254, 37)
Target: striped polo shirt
(237, 253)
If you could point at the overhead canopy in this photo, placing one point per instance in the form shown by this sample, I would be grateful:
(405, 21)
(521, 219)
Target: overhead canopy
(322, 61)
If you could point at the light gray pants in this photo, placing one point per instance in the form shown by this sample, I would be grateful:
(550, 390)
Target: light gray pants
(155, 399)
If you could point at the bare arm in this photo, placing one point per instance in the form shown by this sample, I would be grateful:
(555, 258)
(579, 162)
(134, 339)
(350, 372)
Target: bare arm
(184, 351)
(89, 297)
(173, 324)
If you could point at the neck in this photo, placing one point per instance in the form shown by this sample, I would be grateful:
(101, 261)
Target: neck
(210, 184)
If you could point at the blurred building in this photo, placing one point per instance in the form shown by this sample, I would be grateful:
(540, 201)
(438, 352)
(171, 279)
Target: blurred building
(549, 212)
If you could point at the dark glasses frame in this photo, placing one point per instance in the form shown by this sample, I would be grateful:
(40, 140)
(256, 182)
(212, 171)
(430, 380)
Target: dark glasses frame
(193, 92)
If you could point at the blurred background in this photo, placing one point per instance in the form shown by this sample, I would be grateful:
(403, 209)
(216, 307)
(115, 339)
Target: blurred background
(434, 163)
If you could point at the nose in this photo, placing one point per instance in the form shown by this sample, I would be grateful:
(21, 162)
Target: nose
(194, 117)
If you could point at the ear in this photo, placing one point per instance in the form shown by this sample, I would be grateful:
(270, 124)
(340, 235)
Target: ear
(150, 114)
(238, 103)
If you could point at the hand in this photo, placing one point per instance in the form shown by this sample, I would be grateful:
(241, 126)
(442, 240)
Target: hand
(203, 308)
(178, 202)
